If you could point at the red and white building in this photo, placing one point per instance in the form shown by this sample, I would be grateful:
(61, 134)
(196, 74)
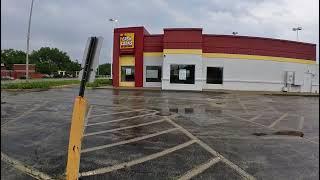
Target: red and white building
(187, 59)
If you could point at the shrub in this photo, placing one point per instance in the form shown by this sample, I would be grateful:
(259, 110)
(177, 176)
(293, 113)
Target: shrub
(99, 82)
(38, 84)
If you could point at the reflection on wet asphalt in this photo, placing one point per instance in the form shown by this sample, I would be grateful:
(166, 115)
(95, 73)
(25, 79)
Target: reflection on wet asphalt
(131, 127)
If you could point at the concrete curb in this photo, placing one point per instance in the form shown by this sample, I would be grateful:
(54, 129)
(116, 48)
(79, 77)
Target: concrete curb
(217, 91)
(39, 89)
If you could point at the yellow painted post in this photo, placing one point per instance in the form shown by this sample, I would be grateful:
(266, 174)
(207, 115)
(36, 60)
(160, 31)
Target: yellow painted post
(76, 133)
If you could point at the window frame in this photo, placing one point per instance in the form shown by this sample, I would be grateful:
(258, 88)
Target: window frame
(159, 68)
(174, 76)
(214, 80)
(123, 74)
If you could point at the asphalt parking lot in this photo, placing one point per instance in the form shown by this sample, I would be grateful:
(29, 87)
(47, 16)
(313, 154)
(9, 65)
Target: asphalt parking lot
(162, 135)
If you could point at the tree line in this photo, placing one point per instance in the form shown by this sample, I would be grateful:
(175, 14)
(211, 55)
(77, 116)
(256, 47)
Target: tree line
(47, 60)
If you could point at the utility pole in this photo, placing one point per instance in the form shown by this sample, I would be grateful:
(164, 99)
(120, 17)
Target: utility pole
(28, 39)
(114, 21)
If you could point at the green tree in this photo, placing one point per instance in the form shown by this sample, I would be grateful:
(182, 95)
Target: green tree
(50, 60)
(11, 56)
(105, 69)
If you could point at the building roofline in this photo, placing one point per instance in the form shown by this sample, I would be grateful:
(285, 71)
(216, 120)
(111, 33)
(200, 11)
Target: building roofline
(150, 35)
(254, 37)
(182, 29)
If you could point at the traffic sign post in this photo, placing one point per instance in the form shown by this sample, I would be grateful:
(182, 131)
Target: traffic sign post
(80, 109)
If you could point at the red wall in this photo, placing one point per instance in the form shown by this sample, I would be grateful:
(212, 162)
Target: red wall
(182, 38)
(32, 67)
(153, 43)
(258, 46)
(139, 33)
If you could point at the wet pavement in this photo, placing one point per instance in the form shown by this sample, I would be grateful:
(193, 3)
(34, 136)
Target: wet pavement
(163, 135)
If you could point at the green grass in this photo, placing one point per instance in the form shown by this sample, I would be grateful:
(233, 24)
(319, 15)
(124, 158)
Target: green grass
(38, 84)
(99, 82)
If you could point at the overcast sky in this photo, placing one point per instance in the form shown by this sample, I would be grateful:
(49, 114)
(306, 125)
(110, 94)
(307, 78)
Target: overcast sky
(67, 24)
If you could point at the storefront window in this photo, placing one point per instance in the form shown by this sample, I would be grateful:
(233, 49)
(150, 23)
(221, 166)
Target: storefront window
(182, 73)
(214, 75)
(127, 73)
(153, 74)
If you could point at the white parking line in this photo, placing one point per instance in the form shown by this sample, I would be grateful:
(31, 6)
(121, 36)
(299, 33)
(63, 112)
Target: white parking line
(199, 169)
(26, 112)
(122, 128)
(136, 161)
(256, 117)
(301, 123)
(213, 152)
(137, 110)
(24, 168)
(243, 106)
(314, 142)
(128, 141)
(122, 119)
(278, 120)
(87, 118)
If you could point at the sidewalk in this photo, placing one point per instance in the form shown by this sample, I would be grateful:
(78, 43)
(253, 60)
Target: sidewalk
(273, 93)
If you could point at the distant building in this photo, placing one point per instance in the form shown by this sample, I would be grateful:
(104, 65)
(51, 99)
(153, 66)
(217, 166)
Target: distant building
(62, 73)
(188, 59)
(19, 70)
(3, 67)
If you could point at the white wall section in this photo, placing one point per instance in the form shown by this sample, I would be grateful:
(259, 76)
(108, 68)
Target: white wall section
(238, 74)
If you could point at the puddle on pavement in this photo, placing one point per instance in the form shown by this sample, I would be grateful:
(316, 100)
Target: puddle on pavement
(188, 110)
(162, 113)
(282, 132)
(175, 110)
(215, 111)
(289, 133)
(259, 134)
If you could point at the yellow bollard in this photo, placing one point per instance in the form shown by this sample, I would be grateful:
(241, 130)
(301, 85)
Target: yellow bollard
(76, 133)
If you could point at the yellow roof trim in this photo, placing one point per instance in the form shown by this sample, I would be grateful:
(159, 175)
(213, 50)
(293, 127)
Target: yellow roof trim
(153, 54)
(182, 51)
(256, 57)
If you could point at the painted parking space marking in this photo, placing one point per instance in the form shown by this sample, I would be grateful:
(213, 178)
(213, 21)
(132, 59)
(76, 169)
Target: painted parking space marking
(136, 161)
(129, 141)
(213, 152)
(199, 169)
(255, 117)
(26, 112)
(122, 112)
(193, 172)
(278, 120)
(243, 106)
(24, 168)
(314, 142)
(127, 127)
(87, 118)
(122, 119)
(301, 123)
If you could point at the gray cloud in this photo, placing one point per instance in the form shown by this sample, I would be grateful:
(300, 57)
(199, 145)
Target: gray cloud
(68, 24)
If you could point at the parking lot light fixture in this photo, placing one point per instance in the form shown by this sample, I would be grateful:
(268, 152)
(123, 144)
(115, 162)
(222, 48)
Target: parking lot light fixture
(297, 29)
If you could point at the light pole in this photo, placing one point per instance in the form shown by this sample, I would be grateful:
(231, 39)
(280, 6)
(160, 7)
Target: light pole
(28, 39)
(297, 29)
(114, 22)
(234, 33)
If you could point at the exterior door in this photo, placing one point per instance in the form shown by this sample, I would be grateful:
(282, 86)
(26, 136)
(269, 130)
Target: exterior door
(127, 71)
(306, 83)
